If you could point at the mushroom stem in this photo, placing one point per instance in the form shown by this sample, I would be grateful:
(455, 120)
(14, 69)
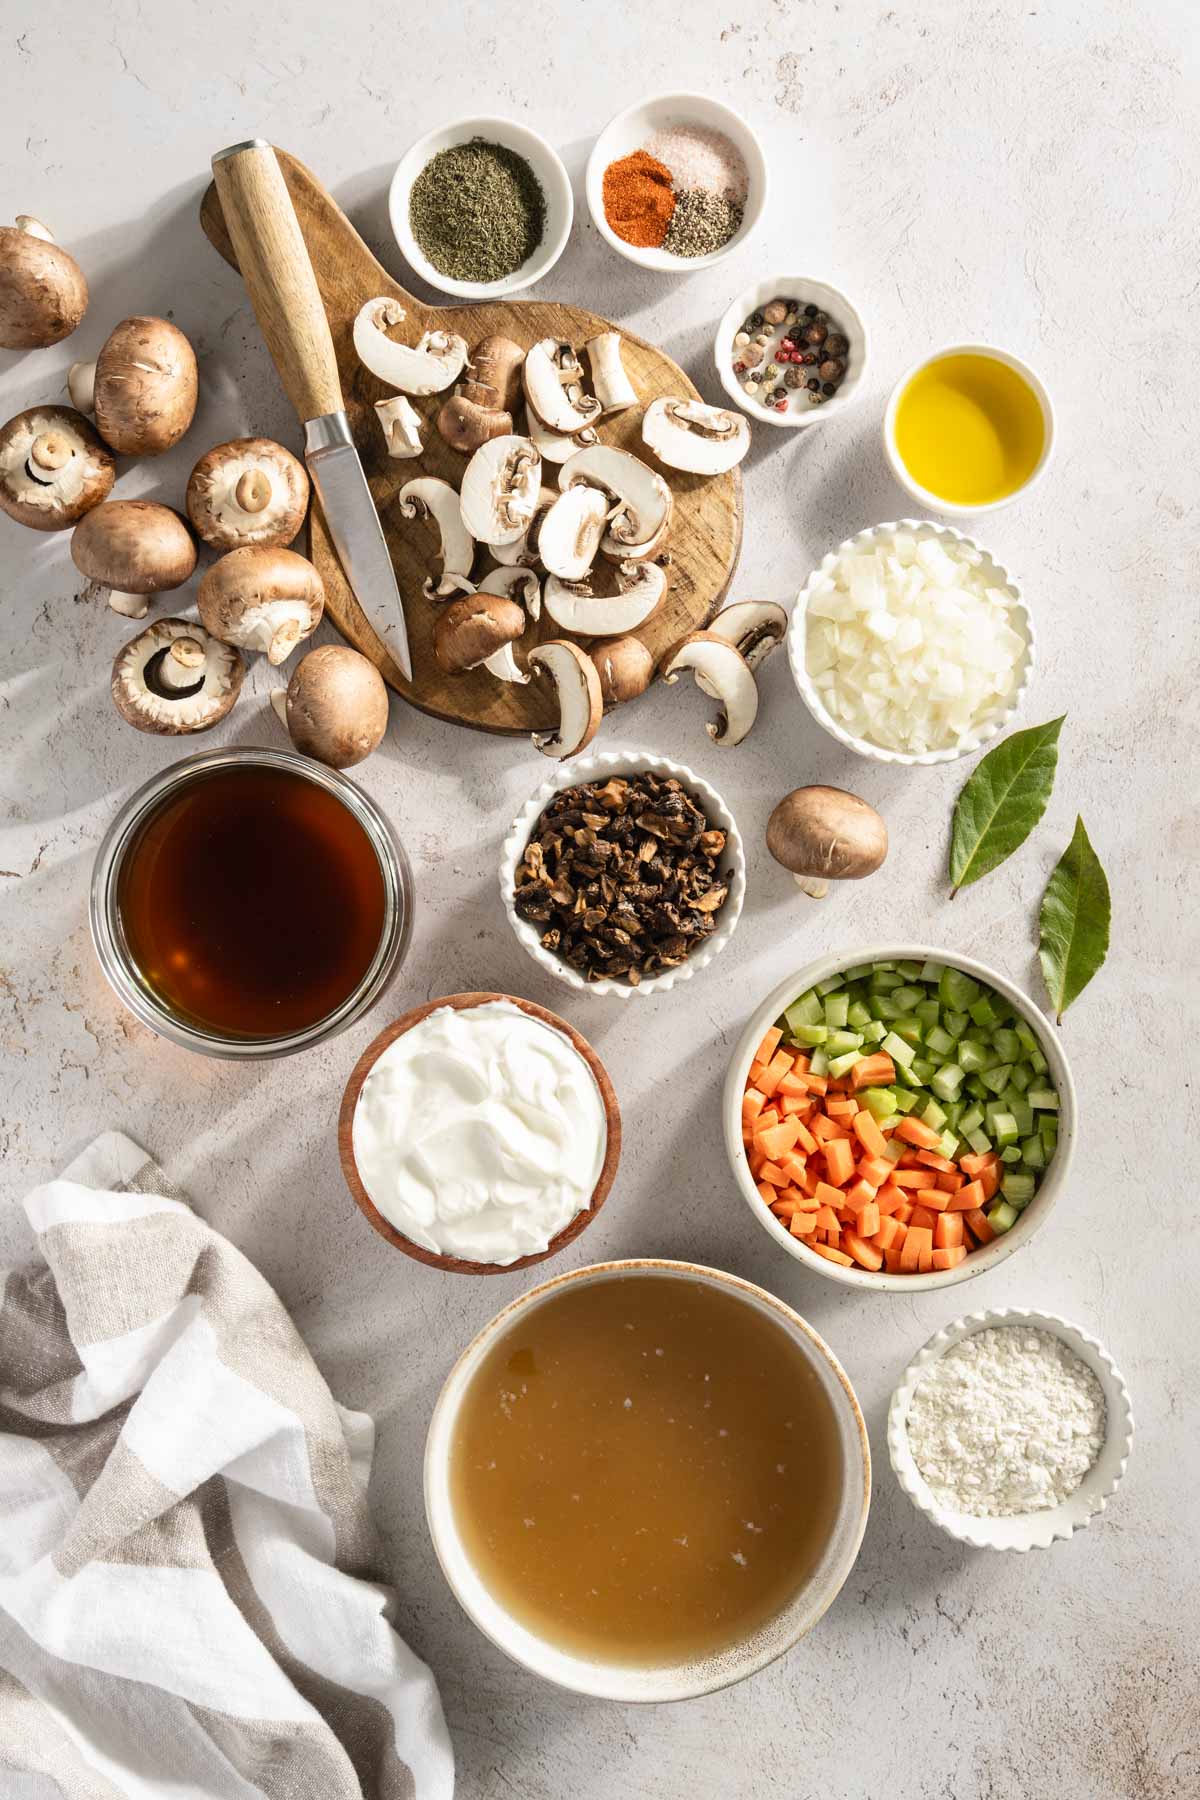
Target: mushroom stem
(34, 228)
(279, 705)
(816, 890)
(81, 385)
(253, 491)
(182, 666)
(612, 385)
(50, 451)
(130, 606)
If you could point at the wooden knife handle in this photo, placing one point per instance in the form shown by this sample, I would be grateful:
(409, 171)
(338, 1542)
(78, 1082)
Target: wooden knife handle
(278, 273)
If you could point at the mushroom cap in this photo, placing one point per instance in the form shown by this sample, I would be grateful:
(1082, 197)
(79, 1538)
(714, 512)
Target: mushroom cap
(473, 628)
(827, 834)
(51, 498)
(577, 688)
(43, 294)
(337, 706)
(135, 546)
(625, 668)
(213, 488)
(158, 710)
(262, 598)
(145, 386)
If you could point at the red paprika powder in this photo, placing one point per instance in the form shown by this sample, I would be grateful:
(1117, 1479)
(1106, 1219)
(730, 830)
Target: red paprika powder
(639, 199)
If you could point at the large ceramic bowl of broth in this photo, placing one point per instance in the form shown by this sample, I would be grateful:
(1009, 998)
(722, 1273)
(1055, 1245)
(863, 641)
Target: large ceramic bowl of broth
(646, 1480)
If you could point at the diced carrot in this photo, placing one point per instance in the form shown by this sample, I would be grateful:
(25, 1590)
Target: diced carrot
(793, 1165)
(915, 1131)
(948, 1231)
(872, 1071)
(794, 1106)
(951, 1183)
(910, 1158)
(832, 1255)
(934, 1200)
(910, 1178)
(868, 1134)
(769, 1045)
(775, 1175)
(863, 1253)
(875, 1169)
(770, 1115)
(989, 1181)
(979, 1225)
(932, 1160)
(811, 1182)
(783, 1208)
(828, 1196)
(774, 1072)
(767, 1191)
(756, 1159)
(969, 1198)
(839, 1161)
(827, 1219)
(826, 1128)
(890, 1233)
(756, 1069)
(949, 1256)
(802, 1224)
(793, 1084)
(805, 1140)
(903, 1213)
(868, 1220)
(923, 1220)
(860, 1195)
(752, 1103)
(916, 1244)
(891, 1260)
(890, 1197)
(817, 1084)
(841, 1107)
(975, 1165)
(777, 1138)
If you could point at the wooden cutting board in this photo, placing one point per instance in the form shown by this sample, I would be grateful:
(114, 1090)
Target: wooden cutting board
(706, 526)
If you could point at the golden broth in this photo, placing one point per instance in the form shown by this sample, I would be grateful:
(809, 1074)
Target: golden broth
(969, 429)
(645, 1469)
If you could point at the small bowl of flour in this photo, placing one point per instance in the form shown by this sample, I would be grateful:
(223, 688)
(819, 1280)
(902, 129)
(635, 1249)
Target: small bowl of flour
(1011, 1429)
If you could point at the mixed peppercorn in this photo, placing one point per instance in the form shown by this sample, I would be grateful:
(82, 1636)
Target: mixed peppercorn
(788, 347)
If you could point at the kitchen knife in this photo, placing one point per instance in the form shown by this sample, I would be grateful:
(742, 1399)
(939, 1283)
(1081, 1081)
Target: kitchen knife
(283, 291)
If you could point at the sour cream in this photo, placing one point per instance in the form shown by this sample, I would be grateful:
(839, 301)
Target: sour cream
(480, 1133)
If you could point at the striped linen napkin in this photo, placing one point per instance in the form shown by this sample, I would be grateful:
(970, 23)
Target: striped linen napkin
(189, 1591)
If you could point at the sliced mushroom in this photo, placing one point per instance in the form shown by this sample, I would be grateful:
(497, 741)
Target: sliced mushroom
(642, 519)
(135, 548)
(500, 489)
(246, 492)
(142, 387)
(430, 498)
(43, 294)
(553, 446)
(482, 407)
(577, 687)
(569, 535)
(552, 377)
(474, 628)
(335, 707)
(755, 627)
(686, 434)
(727, 678)
(612, 385)
(625, 668)
(400, 423)
(502, 663)
(523, 550)
(173, 677)
(426, 367)
(824, 834)
(515, 582)
(640, 588)
(53, 468)
(262, 598)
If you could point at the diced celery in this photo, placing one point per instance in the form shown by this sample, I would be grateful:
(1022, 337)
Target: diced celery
(1021, 1111)
(1026, 1034)
(838, 1042)
(910, 970)
(1004, 1129)
(984, 1012)
(1042, 1099)
(885, 978)
(1018, 1187)
(940, 1041)
(837, 1006)
(932, 972)
(819, 1065)
(974, 1085)
(905, 1099)
(908, 997)
(857, 1015)
(1021, 1076)
(894, 1149)
(957, 990)
(1006, 1044)
(898, 1050)
(842, 1065)
(950, 1144)
(885, 1007)
(929, 1012)
(908, 1026)
(1037, 1061)
(979, 1141)
(921, 1069)
(880, 1102)
(996, 1080)
(1033, 1153)
(860, 972)
(955, 1023)
(1011, 1154)
(1001, 1216)
(812, 1035)
(1048, 1128)
(873, 1031)
(932, 1114)
(954, 1112)
(973, 1055)
(970, 1120)
(827, 986)
(804, 1011)
(875, 967)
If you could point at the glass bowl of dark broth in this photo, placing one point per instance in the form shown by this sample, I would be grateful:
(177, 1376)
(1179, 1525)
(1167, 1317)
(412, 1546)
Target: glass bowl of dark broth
(250, 903)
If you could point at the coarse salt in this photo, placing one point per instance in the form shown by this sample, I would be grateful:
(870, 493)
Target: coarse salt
(1007, 1421)
(699, 157)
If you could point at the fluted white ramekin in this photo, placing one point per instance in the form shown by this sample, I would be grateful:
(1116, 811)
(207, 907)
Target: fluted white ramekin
(1025, 1531)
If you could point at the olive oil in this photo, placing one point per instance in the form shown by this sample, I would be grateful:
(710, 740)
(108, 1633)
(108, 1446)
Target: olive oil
(252, 902)
(969, 429)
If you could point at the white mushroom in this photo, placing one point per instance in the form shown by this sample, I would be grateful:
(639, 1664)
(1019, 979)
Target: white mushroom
(336, 706)
(429, 498)
(686, 434)
(262, 597)
(641, 520)
(500, 489)
(612, 385)
(53, 468)
(727, 678)
(142, 386)
(515, 582)
(504, 666)
(577, 688)
(554, 446)
(523, 550)
(433, 363)
(134, 548)
(401, 425)
(569, 535)
(43, 294)
(755, 627)
(173, 677)
(625, 668)
(552, 377)
(250, 491)
(640, 588)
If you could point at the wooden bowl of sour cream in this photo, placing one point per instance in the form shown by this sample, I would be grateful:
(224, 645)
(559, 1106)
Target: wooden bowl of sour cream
(607, 1153)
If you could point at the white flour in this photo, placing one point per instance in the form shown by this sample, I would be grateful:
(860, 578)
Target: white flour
(1007, 1421)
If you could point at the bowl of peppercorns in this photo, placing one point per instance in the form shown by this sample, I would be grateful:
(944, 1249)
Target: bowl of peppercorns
(791, 351)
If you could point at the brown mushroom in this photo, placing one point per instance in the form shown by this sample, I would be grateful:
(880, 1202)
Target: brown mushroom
(142, 387)
(43, 294)
(482, 407)
(474, 628)
(824, 834)
(335, 707)
(262, 598)
(248, 491)
(135, 548)
(53, 468)
(173, 677)
(625, 668)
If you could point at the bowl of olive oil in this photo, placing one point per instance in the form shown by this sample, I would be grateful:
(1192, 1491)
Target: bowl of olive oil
(968, 429)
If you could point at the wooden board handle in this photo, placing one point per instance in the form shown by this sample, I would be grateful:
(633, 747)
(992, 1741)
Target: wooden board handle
(275, 266)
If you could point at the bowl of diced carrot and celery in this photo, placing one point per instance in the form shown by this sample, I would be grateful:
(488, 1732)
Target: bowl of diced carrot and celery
(901, 1119)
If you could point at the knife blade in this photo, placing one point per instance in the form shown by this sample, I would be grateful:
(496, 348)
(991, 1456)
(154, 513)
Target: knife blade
(337, 474)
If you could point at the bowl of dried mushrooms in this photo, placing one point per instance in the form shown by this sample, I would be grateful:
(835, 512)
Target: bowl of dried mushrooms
(623, 874)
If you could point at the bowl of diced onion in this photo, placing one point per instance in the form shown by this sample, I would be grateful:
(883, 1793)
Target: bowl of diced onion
(911, 644)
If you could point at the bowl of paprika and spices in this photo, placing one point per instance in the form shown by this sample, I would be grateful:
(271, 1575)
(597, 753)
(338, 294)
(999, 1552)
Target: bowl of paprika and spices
(481, 207)
(676, 182)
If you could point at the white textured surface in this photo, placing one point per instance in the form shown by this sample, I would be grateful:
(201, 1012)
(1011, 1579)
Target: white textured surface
(1021, 174)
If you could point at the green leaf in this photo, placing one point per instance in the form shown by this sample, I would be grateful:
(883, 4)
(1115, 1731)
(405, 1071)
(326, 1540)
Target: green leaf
(1074, 922)
(1003, 801)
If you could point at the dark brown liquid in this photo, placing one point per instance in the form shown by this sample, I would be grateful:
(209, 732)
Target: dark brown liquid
(252, 901)
(645, 1470)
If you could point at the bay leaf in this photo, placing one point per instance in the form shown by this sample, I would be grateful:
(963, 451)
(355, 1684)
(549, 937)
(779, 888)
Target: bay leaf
(1074, 921)
(1003, 800)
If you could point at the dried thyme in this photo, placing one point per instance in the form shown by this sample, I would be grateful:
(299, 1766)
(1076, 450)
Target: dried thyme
(477, 210)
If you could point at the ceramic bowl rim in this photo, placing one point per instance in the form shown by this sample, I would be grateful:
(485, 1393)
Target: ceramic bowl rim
(745, 302)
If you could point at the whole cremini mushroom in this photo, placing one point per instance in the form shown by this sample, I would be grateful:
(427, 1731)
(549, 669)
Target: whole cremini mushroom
(482, 407)
(262, 598)
(625, 668)
(53, 468)
(470, 630)
(173, 677)
(824, 834)
(43, 294)
(248, 491)
(135, 548)
(335, 707)
(142, 387)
